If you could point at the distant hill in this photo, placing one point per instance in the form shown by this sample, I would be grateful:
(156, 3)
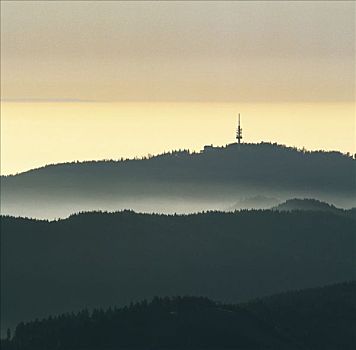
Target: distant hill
(311, 204)
(320, 318)
(306, 204)
(101, 259)
(181, 181)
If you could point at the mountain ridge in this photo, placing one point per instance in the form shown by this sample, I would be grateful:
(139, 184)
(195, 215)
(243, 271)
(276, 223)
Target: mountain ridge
(312, 204)
(100, 258)
(291, 320)
(182, 182)
(279, 208)
(177, 152)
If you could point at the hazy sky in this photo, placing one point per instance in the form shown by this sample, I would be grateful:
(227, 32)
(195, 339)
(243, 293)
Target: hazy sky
(248, 53)
(220, 51)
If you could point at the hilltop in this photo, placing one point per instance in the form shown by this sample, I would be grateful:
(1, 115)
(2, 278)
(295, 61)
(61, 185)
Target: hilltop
(306, 204)
(182, 182)
(311, 204)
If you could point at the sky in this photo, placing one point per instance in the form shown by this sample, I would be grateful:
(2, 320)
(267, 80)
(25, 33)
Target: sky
(91, 80)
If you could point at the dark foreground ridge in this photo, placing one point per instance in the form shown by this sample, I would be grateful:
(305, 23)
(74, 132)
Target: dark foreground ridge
(102, 259)
(321, 318)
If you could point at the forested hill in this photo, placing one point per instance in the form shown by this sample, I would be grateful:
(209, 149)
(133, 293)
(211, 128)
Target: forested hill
(261, 164)
(102, 259)
(306, 204)
(318, 318)
(310, 204)
(313, 319)
(182, 182)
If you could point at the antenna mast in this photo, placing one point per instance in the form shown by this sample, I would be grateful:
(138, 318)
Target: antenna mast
(239, 132)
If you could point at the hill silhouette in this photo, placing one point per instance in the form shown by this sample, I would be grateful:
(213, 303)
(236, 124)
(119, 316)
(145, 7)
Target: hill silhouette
(181, 181)
(306, 204)
(320, 318)
(101, 259)
(312, 204)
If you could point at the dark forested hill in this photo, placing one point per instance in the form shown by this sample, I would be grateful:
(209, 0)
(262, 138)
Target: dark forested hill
(320, 318)
(101, 259)
(182, 182)
(311, 204)
(306, 204)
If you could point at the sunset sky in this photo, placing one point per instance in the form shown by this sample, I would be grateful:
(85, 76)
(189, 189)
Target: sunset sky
(94, 80)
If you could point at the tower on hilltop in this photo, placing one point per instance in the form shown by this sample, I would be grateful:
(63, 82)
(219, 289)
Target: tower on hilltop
(239, 132)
